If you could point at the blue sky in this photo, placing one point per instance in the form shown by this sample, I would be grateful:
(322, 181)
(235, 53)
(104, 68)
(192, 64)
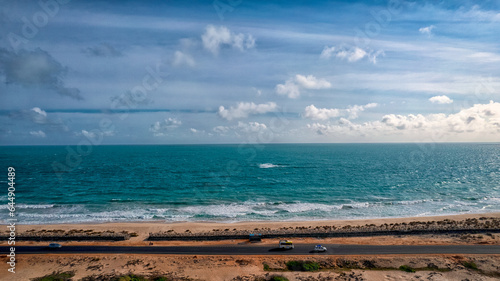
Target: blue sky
(168, 72)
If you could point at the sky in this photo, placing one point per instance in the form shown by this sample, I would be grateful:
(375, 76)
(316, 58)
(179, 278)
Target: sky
(240, 71)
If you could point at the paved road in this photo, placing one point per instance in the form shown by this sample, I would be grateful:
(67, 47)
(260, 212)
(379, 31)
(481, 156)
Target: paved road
(256, 249)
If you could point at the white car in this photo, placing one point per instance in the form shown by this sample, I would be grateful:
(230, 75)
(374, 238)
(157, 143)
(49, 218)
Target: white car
(319, 248)
(54, 246)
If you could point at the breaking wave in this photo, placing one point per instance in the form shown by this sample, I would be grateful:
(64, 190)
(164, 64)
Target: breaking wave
(268, 165)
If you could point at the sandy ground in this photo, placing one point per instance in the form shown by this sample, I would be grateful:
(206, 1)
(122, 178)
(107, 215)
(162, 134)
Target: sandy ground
(191, 267)
(143, 229)
(218, 268)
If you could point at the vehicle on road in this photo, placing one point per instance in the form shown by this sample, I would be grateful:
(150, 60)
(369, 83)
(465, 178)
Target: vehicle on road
(257, 237)
(54, 246)
(286, 244)
(319, 248)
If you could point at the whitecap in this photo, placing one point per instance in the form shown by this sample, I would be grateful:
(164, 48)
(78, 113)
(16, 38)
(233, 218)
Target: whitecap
(267, 165)
(25, 206)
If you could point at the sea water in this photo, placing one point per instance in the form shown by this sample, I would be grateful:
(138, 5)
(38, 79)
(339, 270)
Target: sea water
(261, 182)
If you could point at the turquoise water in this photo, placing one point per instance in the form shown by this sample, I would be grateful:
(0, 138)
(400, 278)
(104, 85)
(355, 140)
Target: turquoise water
(250, 182)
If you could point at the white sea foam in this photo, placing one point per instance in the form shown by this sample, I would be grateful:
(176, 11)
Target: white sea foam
(26, 206)
(251, 210)
(223, 210)
(268, 165)
(41, 206)
(306, 207)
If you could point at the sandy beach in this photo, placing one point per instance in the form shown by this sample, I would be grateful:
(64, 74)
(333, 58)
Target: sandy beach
(450, 267)
(141, 230)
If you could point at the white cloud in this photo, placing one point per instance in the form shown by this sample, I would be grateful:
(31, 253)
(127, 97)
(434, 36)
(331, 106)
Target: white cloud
(39, 134)
(216, 37)
(257, 91)
(372, 57)
(311, 82)
(427, 30)
(314, 113)
(441, 99)
(243, 109)
(327, 52)
(485, 57)
(89, 135)
(242, 129)
(292, 86)
(251, 127)
(479, 122)
(354, 110)
(289, 89)
(475, 13)
(95, 134)
(242, 42)
(39, 116)
(352, 54)
(161, 128)
(433, 83)
(39, 111)
(181, 58)
(221, 129)
(196, 131)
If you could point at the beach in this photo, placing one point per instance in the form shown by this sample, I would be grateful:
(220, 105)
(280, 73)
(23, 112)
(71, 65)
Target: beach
(142, 230)
(345, 194)
(284, 182)
(249, 140)
(213, 267)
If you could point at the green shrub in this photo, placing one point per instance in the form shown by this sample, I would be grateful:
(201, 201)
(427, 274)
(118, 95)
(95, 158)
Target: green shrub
(406, 268)
(470, 265)
(266, 267)
(294, 265)
(310, 266)
(56, 276)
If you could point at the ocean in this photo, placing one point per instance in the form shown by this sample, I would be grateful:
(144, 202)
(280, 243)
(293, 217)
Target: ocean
(261, 182)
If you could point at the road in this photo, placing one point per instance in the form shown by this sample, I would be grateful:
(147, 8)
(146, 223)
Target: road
(256, 249)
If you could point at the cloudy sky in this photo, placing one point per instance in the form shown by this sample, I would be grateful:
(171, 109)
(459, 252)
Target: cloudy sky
(238, 71)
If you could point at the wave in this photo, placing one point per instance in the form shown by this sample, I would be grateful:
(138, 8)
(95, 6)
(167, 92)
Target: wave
(268, 165)
(25, 206)
(247, 211)
(42, 206)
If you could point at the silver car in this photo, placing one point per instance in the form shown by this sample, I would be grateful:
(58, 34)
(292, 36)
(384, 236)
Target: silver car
(319, 248)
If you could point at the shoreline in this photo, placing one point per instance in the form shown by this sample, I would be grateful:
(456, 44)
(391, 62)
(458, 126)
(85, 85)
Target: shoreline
(138, 233)
(216, 267)
(494, 213)
(353, 221)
